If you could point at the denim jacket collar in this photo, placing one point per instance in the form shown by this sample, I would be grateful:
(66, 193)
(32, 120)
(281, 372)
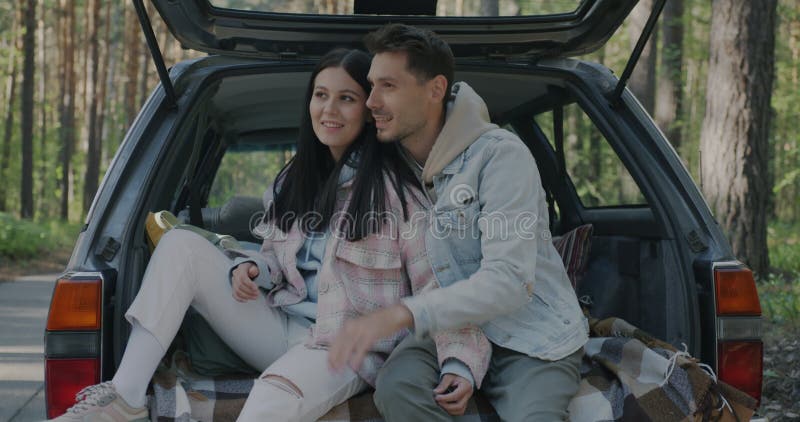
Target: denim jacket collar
(455, 165)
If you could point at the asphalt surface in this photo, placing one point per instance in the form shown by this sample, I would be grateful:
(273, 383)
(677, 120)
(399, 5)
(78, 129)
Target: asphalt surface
(23, 313)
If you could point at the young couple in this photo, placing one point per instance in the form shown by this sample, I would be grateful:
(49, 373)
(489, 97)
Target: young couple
(328, 297)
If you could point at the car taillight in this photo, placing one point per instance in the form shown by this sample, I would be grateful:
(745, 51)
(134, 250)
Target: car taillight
(738, 311)
(64, 378)
(72, 340)
(736, 292)
(740, 365)
(75, 305)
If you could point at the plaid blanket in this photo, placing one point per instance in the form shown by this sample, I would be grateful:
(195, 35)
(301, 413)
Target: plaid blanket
(181, 396)
(627, 375)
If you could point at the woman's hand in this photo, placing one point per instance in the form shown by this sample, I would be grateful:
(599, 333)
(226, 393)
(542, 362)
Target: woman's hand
(359, 335)
(242, 280)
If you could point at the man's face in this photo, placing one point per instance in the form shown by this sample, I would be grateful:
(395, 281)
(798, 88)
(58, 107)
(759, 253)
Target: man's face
(401, 105)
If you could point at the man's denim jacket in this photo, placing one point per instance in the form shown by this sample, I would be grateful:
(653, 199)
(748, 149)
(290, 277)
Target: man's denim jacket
(491, 251)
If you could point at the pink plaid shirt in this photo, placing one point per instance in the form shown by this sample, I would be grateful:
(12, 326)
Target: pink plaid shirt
(359, 277)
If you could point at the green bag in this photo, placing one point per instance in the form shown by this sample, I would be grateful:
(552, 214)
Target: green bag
(208, 354)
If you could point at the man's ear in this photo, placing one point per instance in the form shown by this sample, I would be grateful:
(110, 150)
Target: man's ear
(438, 88)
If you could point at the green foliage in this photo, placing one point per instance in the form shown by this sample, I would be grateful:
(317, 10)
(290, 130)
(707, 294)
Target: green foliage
(780, 300)
(783, 240)
(780, 291)
(600, 178)
(21, 239)
(248, 172)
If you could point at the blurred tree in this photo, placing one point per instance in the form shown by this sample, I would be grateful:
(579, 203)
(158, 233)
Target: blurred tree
(735, 135)
(67, 100)
(92, 173)
(643, 79)
(490, 8)
(28, 68)
(670, 83)
(11, 94)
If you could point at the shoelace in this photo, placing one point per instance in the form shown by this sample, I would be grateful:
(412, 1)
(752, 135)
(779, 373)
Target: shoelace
(90, 396)
(673, 362)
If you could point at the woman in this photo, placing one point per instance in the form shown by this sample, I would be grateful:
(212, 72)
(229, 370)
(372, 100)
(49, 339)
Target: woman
(339, 242)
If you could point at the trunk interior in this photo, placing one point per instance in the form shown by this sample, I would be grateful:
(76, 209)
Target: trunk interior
(241, 131)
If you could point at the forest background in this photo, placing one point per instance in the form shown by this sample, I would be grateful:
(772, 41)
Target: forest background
(74, 74)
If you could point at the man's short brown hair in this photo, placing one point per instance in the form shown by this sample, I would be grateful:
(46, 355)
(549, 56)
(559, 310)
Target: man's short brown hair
(428, 55)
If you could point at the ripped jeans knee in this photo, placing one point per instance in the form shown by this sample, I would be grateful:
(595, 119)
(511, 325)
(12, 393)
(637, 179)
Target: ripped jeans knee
(284, 384)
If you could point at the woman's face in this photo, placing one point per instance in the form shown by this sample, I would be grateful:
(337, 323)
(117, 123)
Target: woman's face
(338, 109)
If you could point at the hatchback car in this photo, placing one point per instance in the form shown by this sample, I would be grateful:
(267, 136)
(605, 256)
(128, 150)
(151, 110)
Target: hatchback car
(217, 129)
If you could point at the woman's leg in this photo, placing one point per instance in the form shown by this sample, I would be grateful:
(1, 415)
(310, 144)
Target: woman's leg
(299, 387)
(185, 270)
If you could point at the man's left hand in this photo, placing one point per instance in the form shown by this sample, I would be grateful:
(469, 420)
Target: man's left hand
(358, 336)
(453, 394)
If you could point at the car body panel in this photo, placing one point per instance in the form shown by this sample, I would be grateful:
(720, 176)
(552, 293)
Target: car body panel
(199, 25)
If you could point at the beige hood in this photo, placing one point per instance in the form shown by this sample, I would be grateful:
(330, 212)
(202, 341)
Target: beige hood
(466, 120)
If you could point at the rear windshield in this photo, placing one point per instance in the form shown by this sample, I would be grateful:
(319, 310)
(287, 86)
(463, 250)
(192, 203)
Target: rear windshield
(443, 7)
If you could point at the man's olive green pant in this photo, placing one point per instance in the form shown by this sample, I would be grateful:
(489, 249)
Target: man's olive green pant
(521, 388)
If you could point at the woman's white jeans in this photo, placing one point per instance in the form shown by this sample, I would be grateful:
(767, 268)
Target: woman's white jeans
(296, 384)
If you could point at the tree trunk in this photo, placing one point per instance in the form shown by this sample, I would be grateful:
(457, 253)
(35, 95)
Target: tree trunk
(595, 167)
(103, 84)
(490, 8)
(92, 174)
(132, 43)
(28, 68)
(734, 139)
(110, 123)
(67, 104)
(669, 93)
(11, 97)
(43, 155)
(144, 78)
(643, 79)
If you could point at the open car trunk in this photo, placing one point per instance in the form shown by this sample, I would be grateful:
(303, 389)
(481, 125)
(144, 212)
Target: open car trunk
(245, 119)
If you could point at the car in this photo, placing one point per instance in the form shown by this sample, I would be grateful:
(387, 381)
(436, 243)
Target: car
(658, 258)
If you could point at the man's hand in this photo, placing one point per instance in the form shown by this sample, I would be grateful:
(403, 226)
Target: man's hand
(453, 393)
(242, 280)
(359, 335)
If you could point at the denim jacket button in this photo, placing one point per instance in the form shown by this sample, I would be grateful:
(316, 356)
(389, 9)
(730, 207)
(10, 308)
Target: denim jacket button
(567, 322)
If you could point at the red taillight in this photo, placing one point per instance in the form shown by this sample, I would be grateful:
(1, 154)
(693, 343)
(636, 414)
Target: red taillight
(64, 378)
(741, 365)
(72, 340)
(740, 354)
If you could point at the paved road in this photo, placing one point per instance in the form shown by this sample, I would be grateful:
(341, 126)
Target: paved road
(23, 311)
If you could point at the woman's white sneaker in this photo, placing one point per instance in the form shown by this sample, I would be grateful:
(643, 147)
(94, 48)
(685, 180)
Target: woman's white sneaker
(102, 403)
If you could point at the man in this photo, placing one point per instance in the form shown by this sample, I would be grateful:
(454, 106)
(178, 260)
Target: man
(489, 246)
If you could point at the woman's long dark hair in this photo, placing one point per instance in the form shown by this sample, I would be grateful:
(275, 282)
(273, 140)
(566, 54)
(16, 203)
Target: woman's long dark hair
(306, 187)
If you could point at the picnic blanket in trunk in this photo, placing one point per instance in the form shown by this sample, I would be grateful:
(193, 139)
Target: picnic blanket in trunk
(179, 395)
(627, 375)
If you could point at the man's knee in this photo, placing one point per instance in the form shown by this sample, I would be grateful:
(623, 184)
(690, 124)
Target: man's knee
(391, 388)
(400, 385)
